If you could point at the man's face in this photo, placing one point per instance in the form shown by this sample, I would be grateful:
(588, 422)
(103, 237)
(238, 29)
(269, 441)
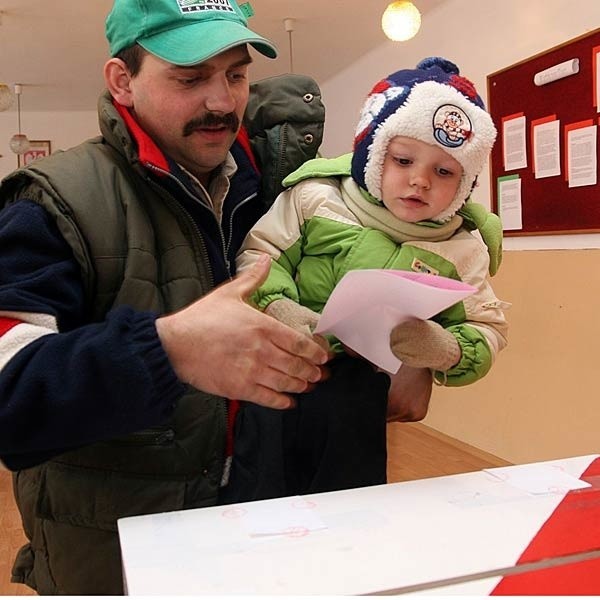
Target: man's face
(193, 113)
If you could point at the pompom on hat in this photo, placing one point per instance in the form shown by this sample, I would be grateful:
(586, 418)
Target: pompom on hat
(431, 103)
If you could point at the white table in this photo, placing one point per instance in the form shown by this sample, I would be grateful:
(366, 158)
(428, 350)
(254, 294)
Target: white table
(462, 530)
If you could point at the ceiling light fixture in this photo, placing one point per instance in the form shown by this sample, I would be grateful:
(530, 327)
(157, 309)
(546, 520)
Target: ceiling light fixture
(19, 143)
(289, 27)
(401, 21)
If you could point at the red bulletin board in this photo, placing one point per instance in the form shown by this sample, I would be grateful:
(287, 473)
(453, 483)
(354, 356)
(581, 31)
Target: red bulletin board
(549, 205)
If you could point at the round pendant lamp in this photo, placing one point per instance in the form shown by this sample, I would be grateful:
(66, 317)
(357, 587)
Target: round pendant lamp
(401, 21)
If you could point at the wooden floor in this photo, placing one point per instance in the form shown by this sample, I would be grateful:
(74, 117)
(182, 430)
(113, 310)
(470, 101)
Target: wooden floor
(415, 452)
(11, 538)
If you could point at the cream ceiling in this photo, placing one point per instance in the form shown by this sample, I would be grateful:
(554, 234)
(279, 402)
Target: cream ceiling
(56, 48)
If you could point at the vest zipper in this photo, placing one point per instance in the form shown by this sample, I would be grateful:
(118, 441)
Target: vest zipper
(178, 206)
(231, 217)
(152, 167)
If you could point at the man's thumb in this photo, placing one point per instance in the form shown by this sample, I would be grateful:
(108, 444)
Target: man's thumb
(251, 279)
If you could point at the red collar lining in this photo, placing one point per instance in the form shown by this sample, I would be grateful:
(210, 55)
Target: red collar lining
(244, 140)
(148, 151)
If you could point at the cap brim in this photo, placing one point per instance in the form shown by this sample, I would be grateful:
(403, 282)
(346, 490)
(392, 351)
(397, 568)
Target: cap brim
(196, 42)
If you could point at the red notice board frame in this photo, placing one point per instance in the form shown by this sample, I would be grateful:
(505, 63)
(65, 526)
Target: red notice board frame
(548, 205)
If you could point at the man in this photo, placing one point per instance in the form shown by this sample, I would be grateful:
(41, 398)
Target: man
(116, 350)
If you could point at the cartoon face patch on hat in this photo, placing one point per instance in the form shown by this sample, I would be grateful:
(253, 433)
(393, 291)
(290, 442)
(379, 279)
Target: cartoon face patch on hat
(451, 126)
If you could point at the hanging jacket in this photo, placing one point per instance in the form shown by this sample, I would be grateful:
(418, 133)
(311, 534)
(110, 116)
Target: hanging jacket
(284, 120)
(323, 227)
(164, 250)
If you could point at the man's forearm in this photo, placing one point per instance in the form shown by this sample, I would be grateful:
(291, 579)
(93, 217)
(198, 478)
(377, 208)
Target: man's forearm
(70, 389)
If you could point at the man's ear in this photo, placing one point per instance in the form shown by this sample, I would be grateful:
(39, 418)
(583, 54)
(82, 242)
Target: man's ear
(118, 78)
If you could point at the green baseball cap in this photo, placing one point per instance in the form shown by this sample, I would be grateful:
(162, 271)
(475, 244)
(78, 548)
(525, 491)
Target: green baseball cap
(182, 32)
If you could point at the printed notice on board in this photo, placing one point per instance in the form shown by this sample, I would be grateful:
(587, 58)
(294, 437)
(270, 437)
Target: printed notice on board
(546, 149)
(581, 156)
(514, 148)
(509, 202)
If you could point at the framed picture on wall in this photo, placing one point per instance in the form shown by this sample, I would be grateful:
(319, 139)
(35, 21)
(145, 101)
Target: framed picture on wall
(37, 149)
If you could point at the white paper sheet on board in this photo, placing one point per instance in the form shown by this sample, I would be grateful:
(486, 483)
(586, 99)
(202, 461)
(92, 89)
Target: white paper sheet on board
(582, 156)
(514, 147)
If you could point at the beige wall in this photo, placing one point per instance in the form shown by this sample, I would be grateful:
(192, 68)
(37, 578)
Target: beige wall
(541, 400)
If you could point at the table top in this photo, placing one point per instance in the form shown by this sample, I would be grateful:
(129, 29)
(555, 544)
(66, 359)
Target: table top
(468, 530)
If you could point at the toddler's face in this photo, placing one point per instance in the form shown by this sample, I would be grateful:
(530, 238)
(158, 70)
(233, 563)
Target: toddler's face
(419, 180)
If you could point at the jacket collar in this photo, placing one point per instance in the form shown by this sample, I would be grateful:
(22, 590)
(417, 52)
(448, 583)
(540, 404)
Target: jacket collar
(148, 152)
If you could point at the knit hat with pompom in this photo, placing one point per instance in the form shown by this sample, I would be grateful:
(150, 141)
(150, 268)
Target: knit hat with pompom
(432, 103)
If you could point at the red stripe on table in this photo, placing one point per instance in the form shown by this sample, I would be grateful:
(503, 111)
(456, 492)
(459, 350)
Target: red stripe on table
(573, 527)
(7, 324)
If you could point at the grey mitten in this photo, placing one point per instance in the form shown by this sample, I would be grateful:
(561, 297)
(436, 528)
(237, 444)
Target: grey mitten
(294, 315)
(420, 343)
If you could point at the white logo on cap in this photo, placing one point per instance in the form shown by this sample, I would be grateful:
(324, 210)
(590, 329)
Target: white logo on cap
(188, 6)
(451, 126)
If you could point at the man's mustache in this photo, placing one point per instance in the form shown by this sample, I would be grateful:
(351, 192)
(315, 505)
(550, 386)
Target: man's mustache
(230, 120)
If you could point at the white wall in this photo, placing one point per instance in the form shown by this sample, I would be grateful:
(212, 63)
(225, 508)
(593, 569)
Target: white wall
(481, 37)
(63, 129)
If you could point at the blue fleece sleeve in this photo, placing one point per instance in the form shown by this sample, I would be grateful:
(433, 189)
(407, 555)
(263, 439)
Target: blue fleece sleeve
(88, 382)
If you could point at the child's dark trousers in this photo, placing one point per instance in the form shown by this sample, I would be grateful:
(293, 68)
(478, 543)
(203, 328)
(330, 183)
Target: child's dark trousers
(334, 439)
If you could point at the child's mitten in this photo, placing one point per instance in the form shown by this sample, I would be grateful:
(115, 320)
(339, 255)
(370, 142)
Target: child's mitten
(420, 343)
(294, 315)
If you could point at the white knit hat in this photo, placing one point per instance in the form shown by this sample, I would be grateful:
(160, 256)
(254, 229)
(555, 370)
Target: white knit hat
(434, 104)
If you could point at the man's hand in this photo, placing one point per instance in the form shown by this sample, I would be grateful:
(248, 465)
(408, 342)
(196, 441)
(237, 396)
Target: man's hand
(222, 345)
(424, 344)
(409, 394)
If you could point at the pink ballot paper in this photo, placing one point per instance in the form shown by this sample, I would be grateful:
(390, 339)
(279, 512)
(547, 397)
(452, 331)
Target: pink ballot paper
(365, 306)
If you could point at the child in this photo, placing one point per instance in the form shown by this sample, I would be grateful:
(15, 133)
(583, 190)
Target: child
(399, 201)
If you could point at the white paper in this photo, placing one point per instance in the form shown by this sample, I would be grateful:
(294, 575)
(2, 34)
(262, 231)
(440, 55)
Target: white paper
(509, 201)
(514, 146)
(367, 304)
(546, 149)
(538, 479)
(583, 163)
